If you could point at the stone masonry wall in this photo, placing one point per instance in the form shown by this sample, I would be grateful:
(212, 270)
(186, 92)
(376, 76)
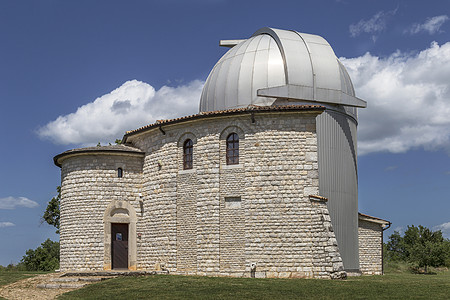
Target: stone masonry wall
(89, 184)
(217, 219)
(370, 248)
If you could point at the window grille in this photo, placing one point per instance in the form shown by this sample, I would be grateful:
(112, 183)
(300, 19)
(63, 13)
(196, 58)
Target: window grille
(233, 149)
(188, 149)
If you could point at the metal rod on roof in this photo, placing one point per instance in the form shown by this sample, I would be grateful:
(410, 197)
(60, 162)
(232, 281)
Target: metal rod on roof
(160, 128)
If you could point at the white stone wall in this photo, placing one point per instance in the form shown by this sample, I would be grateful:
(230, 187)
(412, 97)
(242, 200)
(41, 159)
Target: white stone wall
(370, 248)
(191, 230)
(214, 219)
(88, 184)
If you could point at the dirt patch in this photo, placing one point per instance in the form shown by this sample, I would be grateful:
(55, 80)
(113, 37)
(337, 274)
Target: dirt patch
(26, 288)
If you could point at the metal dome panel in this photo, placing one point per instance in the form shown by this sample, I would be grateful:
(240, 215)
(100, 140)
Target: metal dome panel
(250, 65)
(276, 63)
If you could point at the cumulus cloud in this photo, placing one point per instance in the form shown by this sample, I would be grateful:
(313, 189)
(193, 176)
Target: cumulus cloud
(132, 105)
(408, 97)
(373, 26)
(431, 25)
(445, 228)
(13, 202)
(6, 224)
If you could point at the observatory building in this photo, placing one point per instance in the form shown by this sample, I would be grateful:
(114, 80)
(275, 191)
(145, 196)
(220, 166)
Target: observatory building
(261, 182)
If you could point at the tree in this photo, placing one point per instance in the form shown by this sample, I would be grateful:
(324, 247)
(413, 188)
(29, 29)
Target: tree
(44, 258)
(51, 214)
(395, 247)
(420, 247)
(425, 247)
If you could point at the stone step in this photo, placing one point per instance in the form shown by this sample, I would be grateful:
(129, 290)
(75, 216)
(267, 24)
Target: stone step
(64, 279)
(61, 285)
(76, 279)
(113, 273)
(70, 282)
(93, 279)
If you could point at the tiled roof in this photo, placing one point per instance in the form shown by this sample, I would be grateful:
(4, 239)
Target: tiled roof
(103, 149)
(236, 111)
(374, 219)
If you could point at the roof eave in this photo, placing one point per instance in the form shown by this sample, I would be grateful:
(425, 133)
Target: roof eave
(57, 159)
(318, 109)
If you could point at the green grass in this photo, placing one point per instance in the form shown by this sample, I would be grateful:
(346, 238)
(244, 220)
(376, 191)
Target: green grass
(391, 286)
(7, 277)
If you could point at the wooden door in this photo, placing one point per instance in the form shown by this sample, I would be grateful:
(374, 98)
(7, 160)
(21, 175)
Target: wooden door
(119, 245)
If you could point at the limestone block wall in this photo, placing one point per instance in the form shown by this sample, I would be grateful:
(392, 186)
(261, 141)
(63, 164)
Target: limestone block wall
(89, 183)
(370, 248)
(217, 219)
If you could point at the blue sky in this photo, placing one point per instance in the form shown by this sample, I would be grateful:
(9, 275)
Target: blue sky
(74, 73)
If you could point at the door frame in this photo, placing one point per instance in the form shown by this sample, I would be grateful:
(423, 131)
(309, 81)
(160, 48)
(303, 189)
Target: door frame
(119, 211)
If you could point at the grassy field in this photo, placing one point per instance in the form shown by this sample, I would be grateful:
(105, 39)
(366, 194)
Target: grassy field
(390, 286)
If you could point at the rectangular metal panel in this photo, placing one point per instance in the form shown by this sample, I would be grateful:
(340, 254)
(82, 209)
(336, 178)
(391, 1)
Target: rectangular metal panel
(299, 67)
(231, 94)
(275, 68)
(245, 81)
(326, 67)
(338, 181)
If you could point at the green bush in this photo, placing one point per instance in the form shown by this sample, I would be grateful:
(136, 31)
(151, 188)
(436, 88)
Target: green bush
(12, 268)
(44, 258)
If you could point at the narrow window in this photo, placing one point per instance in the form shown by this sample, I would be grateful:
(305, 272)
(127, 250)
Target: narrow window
(233, 149)
(188, 150)
(119, 172)
(232, 202)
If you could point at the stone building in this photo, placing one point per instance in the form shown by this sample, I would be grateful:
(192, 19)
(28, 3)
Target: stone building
(261, 182)
(370, 231)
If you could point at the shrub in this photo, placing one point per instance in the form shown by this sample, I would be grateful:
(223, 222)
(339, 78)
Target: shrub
(44, 258)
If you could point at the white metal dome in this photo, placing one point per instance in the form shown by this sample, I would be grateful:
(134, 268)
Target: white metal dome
(277, 64)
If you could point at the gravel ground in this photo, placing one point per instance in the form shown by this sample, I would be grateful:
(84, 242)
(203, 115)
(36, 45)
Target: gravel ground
(26, 289)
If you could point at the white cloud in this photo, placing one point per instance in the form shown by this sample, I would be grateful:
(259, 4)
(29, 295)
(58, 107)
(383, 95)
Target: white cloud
(13, 202)
(408, 97)
(6, 224)
(390, 168)
(445, 228)
(431, 25)
(132, 105)
(374, 25)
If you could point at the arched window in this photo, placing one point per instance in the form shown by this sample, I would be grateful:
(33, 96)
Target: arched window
(233, 149)
(188, 149)
(120, 172)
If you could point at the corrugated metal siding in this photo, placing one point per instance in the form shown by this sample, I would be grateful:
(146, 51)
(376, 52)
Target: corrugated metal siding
(336, 134)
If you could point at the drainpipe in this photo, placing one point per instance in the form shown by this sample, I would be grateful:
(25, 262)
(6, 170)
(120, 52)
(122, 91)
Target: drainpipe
(382, 246)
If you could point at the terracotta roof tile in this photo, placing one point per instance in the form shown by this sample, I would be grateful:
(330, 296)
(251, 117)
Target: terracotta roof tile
(248, 109)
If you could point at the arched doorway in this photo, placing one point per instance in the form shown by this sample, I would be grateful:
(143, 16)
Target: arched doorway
(120, 236)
